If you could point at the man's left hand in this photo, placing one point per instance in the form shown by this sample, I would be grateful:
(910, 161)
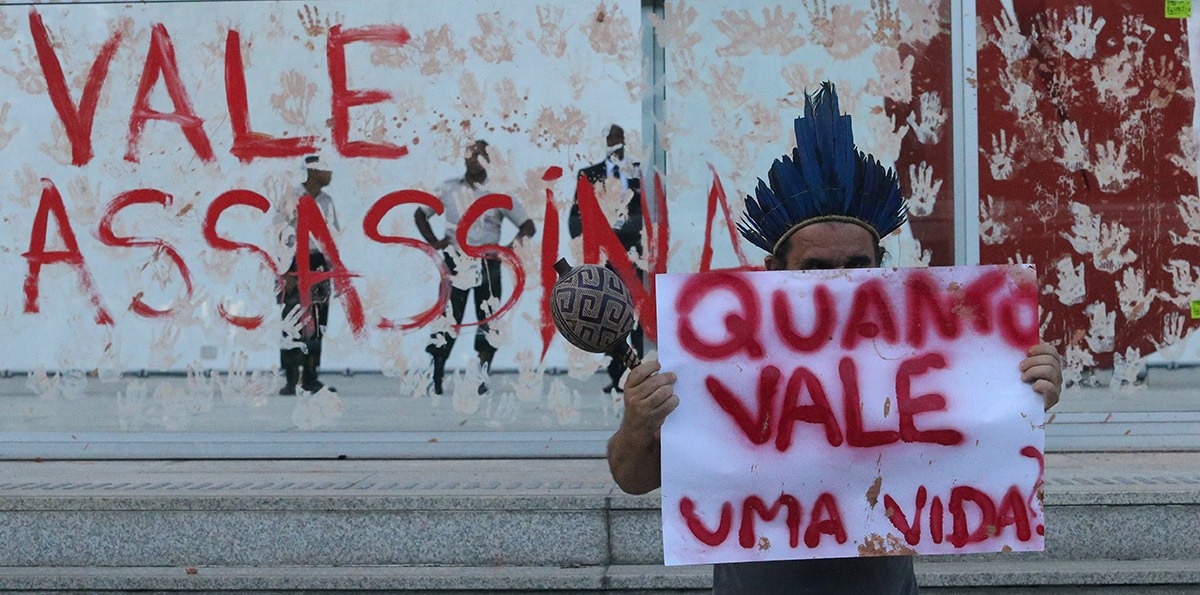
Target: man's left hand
(1043, 370)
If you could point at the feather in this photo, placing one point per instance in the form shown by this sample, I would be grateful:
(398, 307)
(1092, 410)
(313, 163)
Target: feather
(824, 175)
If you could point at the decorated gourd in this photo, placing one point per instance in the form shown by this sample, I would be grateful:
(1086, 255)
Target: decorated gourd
(593, 310)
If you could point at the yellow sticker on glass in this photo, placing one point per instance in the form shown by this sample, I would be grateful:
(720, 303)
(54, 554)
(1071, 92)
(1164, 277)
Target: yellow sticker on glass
(1195, 309)
(1179, 9)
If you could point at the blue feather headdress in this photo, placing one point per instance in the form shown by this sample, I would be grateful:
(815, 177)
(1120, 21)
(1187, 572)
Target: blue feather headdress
(826, 179)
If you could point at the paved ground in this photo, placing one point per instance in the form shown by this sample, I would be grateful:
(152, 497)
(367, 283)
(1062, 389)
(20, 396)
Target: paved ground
(374, 402)
(1066, 473)
(363, 402)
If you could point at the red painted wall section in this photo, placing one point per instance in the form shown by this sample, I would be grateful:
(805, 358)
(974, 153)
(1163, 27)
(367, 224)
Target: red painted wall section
(1087, 169)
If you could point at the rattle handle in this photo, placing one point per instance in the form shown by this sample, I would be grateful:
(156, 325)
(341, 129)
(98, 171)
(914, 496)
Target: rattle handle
(627, 354)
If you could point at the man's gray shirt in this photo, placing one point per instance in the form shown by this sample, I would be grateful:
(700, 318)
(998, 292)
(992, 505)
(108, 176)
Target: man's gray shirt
(886, 575)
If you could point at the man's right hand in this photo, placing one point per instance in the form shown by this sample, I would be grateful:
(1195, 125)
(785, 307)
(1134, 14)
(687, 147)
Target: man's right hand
(649, 398)
(633, 451)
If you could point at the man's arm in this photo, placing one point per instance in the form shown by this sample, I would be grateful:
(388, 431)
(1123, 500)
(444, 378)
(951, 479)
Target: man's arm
(333, 219)
(633, 451)
(422, 221)
(1043, 369)
(574, 218)
(525, 225)
(629, 229)
(526, 230)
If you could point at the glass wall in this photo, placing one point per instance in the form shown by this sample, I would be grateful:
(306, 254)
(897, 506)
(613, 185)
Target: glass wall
(177, 261)
(735, 78)
(159, 153)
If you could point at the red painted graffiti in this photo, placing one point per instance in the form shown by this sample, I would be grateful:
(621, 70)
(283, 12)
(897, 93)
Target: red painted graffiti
(822, 332)
(549, 257)
(780, 422)
(755, 506)
(38, 256)
(687, 508)
(909, 406)
(1032, 452)
(345, 98)
(160, 61)
(992, 518)
(819, 412)
(825, 519)
(924, 301)
(600, 239)
(77, 120)
(248, 144)
(371, 228)
(218, 207)
(474, 212)
(740, 326)
(161, 66)
(144, 196)
(872, 315)
(716, 195)
(310, 225)
(974, 517)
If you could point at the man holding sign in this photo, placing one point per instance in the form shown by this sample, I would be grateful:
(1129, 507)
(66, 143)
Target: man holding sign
(818, 449)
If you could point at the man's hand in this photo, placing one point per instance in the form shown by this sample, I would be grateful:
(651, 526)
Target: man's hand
(1043, 369)
(422, 221)
(649, 398)
(633, 451)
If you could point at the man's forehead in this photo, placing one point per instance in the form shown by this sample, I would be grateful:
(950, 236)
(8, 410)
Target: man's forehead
(829, 233)
(831, 244)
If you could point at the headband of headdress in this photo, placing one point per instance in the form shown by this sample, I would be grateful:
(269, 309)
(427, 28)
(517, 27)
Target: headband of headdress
(826, 179)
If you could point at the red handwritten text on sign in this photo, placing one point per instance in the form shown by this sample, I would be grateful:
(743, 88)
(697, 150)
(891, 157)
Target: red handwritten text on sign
(846, 413)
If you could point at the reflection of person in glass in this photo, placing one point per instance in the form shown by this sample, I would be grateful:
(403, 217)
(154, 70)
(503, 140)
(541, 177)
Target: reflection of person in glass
(302, 364)
(483, 274)
(615, 170)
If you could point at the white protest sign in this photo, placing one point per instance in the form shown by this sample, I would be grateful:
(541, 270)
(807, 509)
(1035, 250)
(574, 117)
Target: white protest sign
(849, 413)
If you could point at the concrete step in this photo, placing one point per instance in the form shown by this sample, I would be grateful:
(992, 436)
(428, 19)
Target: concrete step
(1108, 577)
(1114, 521)
(531, 530)
(410, 580)
(1060, 576)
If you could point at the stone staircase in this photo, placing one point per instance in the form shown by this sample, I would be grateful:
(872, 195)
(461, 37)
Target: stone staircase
(1117, 523)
